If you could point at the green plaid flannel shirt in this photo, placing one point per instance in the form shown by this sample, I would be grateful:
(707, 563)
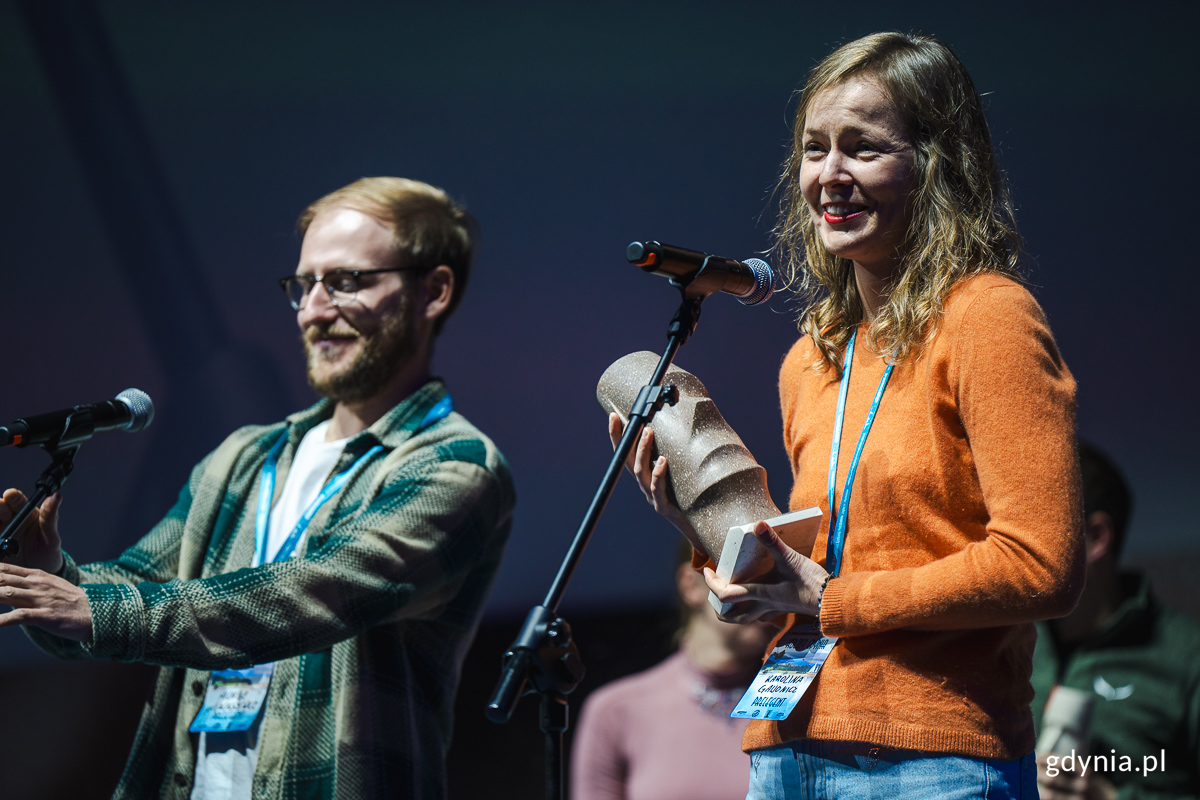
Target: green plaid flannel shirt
(368, 624)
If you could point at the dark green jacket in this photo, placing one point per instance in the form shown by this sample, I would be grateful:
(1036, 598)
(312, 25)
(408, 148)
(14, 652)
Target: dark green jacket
(1145, 670)
(367, 625)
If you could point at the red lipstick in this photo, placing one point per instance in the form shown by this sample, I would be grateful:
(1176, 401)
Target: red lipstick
(834, 219)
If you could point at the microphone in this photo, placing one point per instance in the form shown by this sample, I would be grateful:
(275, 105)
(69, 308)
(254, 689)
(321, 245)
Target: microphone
(131, 411)
(752, 281)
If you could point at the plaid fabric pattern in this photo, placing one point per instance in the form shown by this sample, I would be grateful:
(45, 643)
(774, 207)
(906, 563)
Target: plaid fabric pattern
(368, 624)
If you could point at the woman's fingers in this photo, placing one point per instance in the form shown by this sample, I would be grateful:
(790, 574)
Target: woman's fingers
(768, 538)
(792, 566)
(638, 462)
(793, 585)
(641, 454)
(726, 592)
(615, 429)
(785, 557)
(747, 604)
(642, 467)
(715, 584)
(658, 483)
(651, 476)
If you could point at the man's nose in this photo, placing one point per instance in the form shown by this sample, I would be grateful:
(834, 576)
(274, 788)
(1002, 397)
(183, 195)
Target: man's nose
(317, 306)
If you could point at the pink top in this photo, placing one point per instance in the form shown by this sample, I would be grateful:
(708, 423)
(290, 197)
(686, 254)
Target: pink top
(662, 734)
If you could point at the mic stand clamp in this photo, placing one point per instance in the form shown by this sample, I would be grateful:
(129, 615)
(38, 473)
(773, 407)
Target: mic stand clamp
(77, 429)
(545, 657)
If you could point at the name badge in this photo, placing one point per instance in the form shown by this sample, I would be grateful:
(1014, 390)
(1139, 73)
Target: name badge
(789, 670)
(233, 700)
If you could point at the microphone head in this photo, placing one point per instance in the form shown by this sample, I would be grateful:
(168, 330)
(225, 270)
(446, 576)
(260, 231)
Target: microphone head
(764, 282)
(141, 409)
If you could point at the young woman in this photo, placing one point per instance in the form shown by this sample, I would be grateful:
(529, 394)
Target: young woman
(954, 471)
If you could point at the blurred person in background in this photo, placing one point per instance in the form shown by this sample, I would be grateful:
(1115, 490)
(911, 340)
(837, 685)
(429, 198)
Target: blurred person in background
(1139, 658)
(666, 733)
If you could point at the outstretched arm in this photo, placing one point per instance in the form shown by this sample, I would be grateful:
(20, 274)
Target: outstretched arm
(403, 554)
(42, 582)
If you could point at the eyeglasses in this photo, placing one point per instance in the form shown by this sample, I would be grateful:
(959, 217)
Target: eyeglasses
(340, 284)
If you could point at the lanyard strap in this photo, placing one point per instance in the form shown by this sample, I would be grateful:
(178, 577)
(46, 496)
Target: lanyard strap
(441, 409)
(266, 488)
(837, 535)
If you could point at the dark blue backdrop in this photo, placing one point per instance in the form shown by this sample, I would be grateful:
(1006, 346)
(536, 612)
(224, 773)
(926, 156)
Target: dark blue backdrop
(570, 131)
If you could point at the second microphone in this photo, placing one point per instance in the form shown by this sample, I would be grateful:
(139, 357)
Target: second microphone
(751, 281)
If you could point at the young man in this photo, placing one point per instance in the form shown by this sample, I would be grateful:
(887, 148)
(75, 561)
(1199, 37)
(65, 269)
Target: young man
(1139, 658)
(311, 595)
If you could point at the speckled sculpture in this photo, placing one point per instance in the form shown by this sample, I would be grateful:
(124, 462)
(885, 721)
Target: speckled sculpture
(712, 477)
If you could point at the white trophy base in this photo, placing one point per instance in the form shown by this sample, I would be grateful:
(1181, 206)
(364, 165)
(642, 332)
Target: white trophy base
(741, 552)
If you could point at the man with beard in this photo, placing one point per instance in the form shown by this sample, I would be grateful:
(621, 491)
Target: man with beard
(312, 593)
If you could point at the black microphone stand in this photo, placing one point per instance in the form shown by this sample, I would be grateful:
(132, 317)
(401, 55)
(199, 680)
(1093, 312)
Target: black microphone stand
(544, 654)
(77, 429)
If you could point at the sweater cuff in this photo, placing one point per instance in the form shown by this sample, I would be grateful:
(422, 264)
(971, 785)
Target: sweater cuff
(69, 570)
(833, 616)
(118, 621)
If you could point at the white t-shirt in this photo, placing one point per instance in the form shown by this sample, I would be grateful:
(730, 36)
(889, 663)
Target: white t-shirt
(227, 772)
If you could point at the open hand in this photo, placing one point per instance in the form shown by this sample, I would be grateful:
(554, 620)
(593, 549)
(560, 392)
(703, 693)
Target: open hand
(41, 547)
(791, 586)
(45, 601)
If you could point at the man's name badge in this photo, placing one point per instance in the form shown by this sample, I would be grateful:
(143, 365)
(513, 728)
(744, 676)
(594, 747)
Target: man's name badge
(233, 700)
(789, 670)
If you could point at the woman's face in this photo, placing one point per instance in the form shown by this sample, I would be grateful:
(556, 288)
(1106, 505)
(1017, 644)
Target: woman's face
(856, 173)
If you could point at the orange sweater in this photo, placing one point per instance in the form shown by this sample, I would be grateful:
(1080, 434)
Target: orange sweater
(964, 528)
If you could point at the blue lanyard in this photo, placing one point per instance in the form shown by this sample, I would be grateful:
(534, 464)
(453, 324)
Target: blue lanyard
(266, 488)
(441, 409)
(837, 536)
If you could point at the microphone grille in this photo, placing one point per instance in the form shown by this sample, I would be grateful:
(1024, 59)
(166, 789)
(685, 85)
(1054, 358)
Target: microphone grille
(141, 409)
(764, 282)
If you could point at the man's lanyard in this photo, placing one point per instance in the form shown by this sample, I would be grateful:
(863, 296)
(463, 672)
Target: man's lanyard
(837, 535)
(266, 488)
(235, 697)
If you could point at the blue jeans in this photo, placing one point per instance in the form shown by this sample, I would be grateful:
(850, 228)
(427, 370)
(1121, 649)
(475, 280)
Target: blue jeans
(818, 768)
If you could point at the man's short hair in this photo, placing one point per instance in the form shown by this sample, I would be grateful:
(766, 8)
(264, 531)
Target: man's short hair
(428, 228)
(1105, 489)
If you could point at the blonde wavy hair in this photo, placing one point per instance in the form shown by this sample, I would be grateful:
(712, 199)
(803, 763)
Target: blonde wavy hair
(961, 217)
